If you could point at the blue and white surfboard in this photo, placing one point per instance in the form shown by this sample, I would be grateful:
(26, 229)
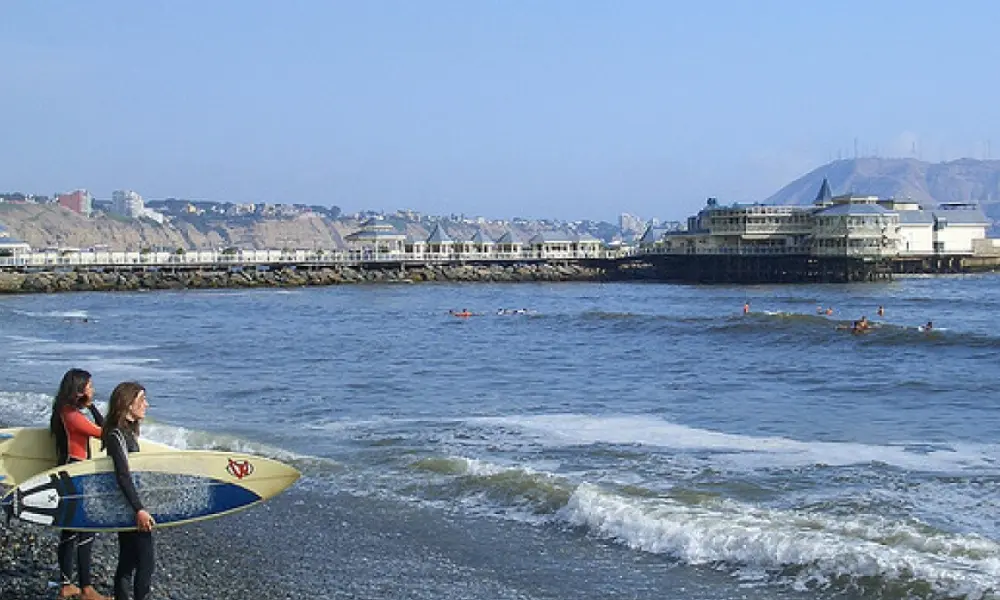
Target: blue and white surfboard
(176, 488)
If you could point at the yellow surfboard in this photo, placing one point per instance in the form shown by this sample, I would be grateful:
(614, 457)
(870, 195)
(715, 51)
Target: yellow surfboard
(27, 451)
(174, 487)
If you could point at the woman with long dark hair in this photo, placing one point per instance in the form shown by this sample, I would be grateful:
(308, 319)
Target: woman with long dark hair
(120, 434)
(73, 432)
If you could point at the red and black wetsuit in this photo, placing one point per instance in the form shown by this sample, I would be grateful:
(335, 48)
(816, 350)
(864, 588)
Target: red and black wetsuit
(73, 445)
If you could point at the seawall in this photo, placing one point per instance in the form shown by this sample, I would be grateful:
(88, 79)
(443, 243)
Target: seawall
(80, 281)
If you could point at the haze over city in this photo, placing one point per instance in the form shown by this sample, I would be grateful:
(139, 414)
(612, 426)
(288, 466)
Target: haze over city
(559, 109)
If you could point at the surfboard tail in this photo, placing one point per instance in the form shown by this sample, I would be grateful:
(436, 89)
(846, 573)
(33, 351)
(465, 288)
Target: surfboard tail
(7, 503)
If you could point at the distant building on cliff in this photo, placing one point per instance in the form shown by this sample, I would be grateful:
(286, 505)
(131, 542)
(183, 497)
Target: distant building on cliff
(78, 201)
(130, 204)
(630, 225)
(127, 203)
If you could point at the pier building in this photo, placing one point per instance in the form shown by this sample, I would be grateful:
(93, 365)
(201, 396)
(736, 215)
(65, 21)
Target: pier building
(838, 238)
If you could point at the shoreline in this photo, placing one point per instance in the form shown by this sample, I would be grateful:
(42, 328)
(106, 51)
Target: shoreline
(91, 281)
(299, 546)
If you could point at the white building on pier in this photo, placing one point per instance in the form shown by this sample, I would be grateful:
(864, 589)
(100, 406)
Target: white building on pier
(846, 225)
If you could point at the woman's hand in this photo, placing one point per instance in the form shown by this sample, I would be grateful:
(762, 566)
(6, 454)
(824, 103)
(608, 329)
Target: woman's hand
(144, 521)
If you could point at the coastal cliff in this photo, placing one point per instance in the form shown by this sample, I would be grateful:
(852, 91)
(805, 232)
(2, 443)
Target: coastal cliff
(44, 226)
(48, 225)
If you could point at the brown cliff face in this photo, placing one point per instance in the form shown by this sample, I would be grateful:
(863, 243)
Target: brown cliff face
(44, 226)
(49, 225)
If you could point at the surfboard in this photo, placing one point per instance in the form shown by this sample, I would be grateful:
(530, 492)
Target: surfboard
(27, 451)
(175, 487)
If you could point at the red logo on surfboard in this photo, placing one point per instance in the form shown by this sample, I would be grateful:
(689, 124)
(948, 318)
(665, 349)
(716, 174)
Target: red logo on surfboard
(239, 468)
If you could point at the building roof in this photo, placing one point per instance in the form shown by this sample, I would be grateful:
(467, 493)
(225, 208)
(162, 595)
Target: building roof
(586, 238)
(963, 217)
(652, 235)
(372, 230)
(376, 224)
(439, 236)
(481, 238)
(551, 237)
(916, 217)
(8, 242)
(854, 209)
(824, 196)
(509, 237)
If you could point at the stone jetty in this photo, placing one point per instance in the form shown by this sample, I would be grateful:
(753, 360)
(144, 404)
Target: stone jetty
(165, 279)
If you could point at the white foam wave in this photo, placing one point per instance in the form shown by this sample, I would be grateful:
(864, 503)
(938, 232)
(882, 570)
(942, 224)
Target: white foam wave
(743, 451)
(745, 539)
(55, 314)
(20, 339)
(59, 348)
(25, 409)
(481, 468)
(183, 438)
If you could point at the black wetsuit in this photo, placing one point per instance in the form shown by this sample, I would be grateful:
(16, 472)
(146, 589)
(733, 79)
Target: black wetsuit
(135, 548)
(74, 546)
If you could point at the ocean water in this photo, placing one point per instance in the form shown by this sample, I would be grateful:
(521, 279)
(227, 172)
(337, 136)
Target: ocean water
(642, 440)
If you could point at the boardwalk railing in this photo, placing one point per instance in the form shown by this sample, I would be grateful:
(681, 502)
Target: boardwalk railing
(210, 258)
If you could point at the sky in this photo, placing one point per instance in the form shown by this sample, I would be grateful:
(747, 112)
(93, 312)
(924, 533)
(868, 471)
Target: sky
(569, 109)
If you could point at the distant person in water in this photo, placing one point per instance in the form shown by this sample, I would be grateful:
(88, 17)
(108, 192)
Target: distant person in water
(929, 326)
(820, 310)
(881, 311)
(829, 312)
(746, 307)
(862, 325)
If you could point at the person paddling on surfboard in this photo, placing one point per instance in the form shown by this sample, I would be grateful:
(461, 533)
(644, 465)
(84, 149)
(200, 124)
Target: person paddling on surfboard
(120, 434)
(73, 431)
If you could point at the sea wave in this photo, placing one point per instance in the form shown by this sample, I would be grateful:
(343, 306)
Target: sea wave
(738, 451)
(809, 551)
(55, 314)
(804, 329)
(844, 546)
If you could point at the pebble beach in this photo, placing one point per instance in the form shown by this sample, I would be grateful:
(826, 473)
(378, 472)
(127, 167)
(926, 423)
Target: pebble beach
(270, 552)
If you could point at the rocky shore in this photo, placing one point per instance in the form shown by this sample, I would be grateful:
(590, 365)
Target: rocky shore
(79, 281)
(192, 564)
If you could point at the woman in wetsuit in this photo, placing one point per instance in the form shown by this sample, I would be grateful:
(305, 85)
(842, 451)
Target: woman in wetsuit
(73, 432)
(120, 434)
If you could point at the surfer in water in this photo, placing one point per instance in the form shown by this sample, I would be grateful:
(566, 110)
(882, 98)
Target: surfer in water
(73, 432)
(120, 434)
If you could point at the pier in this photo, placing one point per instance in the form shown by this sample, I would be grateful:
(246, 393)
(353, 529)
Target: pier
(98, 271)
(212, 260)
(756, 269)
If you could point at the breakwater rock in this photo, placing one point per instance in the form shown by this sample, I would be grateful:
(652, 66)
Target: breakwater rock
(79, 281)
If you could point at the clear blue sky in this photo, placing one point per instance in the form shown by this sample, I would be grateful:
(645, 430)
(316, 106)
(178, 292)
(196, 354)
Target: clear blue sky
(567, 109)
